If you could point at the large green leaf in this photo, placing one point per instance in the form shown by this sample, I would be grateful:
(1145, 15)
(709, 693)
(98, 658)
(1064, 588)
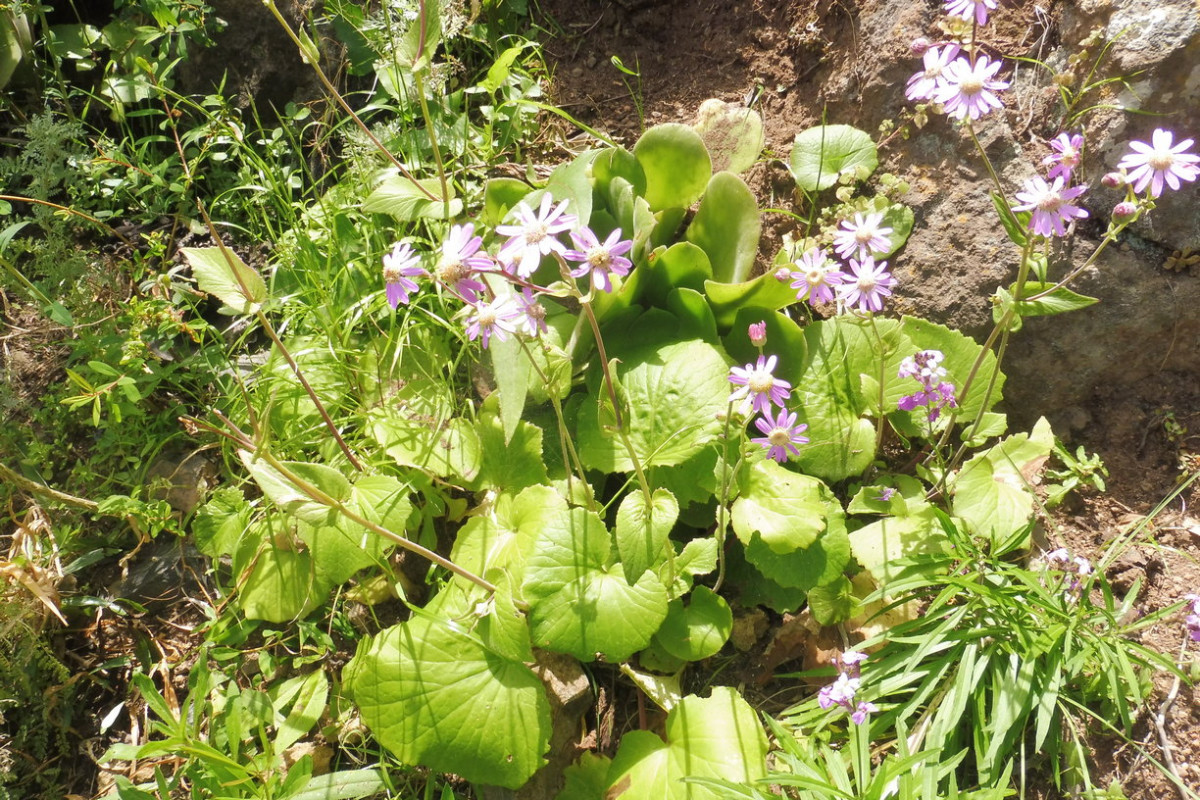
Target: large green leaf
(880, 545)
(820, 155)
(280, 585)
(727, 227)
(683, 264)
(673, 395)
(696, 629)
(219, 272)
(447, 448)
(821, 563)
(715, 737)
(436, 697)
(578, 602)
(341, 547)
(676, 165)
(407, 199)
(994, 490)
(788, 510)
(642, 530)
(289, 495)
(499, 542)
(732, 133)
(509, 461)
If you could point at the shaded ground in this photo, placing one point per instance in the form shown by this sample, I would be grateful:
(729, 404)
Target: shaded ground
(805, 59)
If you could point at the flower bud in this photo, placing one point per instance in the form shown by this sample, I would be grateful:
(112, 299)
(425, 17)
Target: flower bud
(918, 46)
(758, 334)
(1124, 212)
(1113, 180)
(783, 274)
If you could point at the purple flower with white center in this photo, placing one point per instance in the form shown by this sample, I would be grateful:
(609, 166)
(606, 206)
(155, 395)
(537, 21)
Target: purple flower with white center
(760, 387)
(868, 284)
(499, 318)
(399, 268)
(1160, 162)
(460, 259)
(599, 259)
(1051, 206)
(782, 434)
(1067, 148)
(966, 9)
(757, 333)
(862, 711)
(532, 314)
(839, 693)
(921, 85)
(862, 237)
(816, 277)
(534, 235)
(967, 89)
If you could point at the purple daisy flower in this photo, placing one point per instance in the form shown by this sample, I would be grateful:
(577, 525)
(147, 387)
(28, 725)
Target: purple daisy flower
(862, 237)
(534, 235)
(1065, 158)
(967, 90)
(816, 277)
(1051, 206)
(760, 387)
(781, 434)
(868, 285)
(1160, 162)
(532, 314)
(498, 318)
(966, 9)
(599, 259)
(459, 261)
(922, 85)
(399, 268)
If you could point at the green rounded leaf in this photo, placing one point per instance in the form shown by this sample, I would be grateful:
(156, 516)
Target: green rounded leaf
(676, 165)
(727, 227)
(994, 490)
(698, 629)
(436, 697)
(821, 154)
(732, 133)
(642, 530)
(220, 272)
(407, 199)
(786, 509)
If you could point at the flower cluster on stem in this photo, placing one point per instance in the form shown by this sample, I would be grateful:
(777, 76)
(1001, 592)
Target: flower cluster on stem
(759, 391)
(842, 691)
(935, 394)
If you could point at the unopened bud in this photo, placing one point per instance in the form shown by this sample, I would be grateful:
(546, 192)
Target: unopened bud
(1124, 212)
(919, 45)
(783, 274)
(758, 334)
(1113, 180)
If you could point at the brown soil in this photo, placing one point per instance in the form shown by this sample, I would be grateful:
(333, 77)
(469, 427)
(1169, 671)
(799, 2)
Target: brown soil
(806, 58)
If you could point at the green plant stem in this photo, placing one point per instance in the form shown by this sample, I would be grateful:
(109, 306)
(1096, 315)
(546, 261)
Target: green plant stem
(307, 53)
(433, 140)
(987, 163)
(20, 481)
(723, 501)
(564, 436)
(882, 382)
(612, 395)
(124, 239)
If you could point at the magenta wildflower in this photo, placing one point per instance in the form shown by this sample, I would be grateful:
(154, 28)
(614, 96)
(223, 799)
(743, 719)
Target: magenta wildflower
(868, 284)
(459, 261)
(862, 711)
(1160, 162)
(531, 313)
(936, 394)
(839, 693)
(599, 259)
(534, 235)
(862, 237)
(1065, 158)
(816, 277)
(498, 318)
(886, 493)
(757, 333)
(967, 89)
(759, 387)
(967, 9)
(1051, 206)
(782, 434)
(850, 661)
(922, 85)
(399, 268)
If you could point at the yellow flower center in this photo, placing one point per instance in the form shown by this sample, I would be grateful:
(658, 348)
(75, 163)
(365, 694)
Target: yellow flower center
(760, 382)
(779, 437)
(599, 258)
(971, 85)
(1160, 161)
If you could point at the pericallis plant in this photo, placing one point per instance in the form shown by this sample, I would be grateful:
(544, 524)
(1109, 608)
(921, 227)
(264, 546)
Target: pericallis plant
(659, 432)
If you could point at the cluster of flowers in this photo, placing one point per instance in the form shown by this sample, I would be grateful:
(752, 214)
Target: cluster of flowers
(841, 692)
(1193, 620)
(818, 278)
(758, 391)
(936, 394)
(462, 263)
(1073, 570)
(964, 85)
